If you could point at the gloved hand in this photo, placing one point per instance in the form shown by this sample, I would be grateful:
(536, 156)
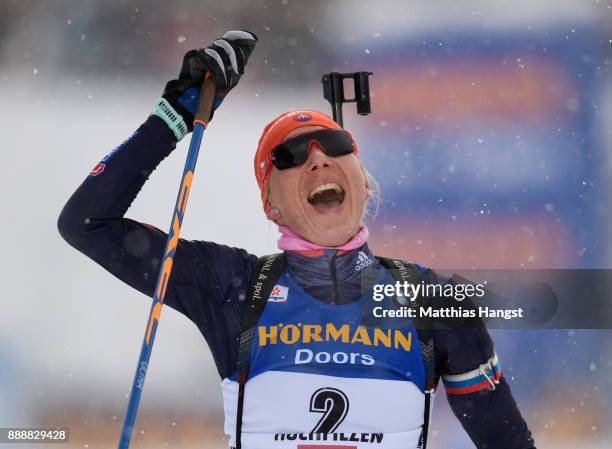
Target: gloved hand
(224, 59)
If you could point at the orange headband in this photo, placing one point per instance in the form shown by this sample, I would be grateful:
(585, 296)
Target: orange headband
(274, 133)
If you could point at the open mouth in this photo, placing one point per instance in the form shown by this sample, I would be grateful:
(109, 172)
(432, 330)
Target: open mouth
(326, 196)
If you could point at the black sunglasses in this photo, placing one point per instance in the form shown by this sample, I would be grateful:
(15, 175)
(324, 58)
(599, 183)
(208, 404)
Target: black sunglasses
(294, 152)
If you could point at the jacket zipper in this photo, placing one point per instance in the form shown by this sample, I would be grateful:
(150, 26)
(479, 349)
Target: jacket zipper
(334, 277)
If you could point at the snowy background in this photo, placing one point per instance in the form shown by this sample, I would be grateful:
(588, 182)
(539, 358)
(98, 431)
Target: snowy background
(490, 136)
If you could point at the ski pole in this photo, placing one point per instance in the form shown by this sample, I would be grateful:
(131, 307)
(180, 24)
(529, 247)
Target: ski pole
(207, 93)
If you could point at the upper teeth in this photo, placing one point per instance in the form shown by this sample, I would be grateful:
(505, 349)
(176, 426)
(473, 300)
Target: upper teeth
(322, 187)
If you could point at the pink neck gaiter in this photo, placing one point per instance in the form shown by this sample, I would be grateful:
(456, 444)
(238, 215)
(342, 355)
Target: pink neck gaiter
(290, 241)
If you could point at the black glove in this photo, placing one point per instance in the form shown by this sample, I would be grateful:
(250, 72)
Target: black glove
(224, 59)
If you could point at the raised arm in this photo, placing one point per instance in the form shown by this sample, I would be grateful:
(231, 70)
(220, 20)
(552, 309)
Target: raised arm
(93, 220)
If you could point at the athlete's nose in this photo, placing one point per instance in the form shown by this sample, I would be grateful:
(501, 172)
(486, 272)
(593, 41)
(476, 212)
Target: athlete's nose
(317, 158)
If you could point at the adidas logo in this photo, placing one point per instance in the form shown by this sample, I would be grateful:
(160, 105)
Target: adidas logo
(363, 261)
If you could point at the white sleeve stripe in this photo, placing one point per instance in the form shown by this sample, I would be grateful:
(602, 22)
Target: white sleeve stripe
(487, 366)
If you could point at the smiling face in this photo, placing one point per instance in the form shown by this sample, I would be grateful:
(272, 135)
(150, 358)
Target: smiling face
(322, 200)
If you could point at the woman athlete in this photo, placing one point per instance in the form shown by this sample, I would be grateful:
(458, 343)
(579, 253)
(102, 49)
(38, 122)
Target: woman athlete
(313, 370)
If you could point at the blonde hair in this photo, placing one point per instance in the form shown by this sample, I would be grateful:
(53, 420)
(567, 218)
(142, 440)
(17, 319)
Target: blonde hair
(372, 206)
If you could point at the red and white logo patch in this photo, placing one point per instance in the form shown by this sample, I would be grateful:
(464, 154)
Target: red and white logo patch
(99, 168)
(279, 294)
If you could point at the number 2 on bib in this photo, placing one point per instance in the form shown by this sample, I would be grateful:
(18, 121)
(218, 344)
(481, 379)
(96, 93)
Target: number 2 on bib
(334, 405)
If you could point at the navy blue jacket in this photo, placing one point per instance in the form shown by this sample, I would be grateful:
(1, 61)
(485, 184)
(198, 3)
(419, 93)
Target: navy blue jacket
(208, 280)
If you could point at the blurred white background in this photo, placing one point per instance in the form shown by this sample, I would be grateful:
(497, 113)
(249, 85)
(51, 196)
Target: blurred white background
(77, 78)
